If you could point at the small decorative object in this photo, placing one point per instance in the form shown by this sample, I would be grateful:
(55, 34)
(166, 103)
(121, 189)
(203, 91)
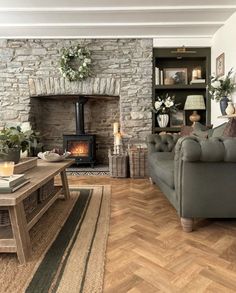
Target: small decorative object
(230, 109)
(176, 75)
(13, 140)
(162, 107)
(6, 169)
(196, 73)
(221, 89)
(220, 65)
(177, 119)
(53, 156)
(163, 120)
(75, 63)
(194, 102)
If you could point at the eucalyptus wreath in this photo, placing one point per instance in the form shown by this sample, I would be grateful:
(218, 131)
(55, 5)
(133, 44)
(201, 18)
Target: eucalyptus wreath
(75, 63)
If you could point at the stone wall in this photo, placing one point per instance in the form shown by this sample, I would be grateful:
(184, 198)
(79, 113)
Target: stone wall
(121, 67)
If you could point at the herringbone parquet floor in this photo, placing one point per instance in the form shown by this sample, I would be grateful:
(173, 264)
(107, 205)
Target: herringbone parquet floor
(148, 251)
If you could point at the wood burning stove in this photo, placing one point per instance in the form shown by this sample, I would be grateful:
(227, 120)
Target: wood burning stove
(81, 145)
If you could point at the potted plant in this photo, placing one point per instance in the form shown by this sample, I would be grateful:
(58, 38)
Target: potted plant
(163, 107)
(221, 89)
(12, 141)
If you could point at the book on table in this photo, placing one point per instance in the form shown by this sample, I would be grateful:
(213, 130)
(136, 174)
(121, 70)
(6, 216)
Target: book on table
(16, 186)
(10, 181)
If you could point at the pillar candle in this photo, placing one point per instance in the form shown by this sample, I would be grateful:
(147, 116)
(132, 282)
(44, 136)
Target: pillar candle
(199, 73)
(115, 127)
(118, 139)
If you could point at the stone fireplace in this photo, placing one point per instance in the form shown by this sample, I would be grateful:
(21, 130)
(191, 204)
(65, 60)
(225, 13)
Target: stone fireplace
(120, 89)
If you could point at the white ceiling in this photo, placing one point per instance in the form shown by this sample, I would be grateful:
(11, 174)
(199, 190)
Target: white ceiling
(113, 18)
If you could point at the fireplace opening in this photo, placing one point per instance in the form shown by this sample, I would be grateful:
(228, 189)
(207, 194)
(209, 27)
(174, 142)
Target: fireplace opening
(81, 145)
(78, 148)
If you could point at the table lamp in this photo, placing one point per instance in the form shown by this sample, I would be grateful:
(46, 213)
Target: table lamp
(194, 102)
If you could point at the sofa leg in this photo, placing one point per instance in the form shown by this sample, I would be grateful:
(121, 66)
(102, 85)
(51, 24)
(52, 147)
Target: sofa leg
(187, 224)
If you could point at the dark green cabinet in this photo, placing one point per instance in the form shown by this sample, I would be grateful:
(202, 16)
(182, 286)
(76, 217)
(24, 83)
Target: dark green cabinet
(181, 72)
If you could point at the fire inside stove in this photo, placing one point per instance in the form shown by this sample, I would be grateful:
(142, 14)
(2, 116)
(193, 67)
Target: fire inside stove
(78, 148)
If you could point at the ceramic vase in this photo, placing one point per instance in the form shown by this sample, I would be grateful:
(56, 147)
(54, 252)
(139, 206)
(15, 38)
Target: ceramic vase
(163, 120)
(223, 105)
(230, 109)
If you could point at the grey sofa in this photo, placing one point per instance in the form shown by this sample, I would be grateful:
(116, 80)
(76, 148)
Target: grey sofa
(197, 175)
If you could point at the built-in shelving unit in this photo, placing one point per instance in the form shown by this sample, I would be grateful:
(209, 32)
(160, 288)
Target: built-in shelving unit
(186, 61)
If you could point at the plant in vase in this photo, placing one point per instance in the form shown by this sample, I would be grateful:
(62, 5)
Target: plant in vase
(221, 89)
(13, 140)
(163, 107)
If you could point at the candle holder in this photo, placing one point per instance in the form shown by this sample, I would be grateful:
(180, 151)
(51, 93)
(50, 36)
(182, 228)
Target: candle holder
(6, 169)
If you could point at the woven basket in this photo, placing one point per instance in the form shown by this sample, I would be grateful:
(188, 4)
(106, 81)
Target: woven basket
(4, 217)
(31, 202)
(118, 165)
(138, 162)
(46, 190)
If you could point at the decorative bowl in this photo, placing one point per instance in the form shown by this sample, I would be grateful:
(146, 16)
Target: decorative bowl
(50, 156)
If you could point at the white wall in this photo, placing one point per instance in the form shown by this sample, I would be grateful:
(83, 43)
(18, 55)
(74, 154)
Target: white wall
(224, 41)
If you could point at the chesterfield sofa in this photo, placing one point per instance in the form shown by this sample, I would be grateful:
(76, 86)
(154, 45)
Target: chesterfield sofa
(197, 175)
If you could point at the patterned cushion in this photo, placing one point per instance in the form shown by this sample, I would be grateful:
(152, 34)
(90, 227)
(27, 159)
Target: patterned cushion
(230, 128)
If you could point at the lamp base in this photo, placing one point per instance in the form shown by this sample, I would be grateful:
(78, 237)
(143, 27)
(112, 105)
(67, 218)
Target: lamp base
(194, 117)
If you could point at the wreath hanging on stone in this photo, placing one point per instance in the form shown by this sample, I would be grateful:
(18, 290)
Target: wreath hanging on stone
(75, 63)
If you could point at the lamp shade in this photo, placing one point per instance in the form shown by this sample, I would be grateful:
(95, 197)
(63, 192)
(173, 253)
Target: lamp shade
(195, 102)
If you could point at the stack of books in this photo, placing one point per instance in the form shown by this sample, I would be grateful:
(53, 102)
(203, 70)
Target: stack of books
(12, 183)
(200, 80)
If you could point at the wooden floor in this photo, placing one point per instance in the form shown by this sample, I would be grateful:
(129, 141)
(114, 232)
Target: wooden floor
(148, 251)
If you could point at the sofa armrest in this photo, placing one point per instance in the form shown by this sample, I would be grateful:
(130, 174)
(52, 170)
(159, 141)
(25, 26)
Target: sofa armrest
(161, 142)
(192, 149)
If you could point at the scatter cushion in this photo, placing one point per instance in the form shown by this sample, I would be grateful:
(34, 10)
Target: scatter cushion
(218, 130)
(230, 128)
(198, 128)
(201, 133)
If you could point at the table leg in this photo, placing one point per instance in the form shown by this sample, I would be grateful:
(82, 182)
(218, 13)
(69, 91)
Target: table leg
(65, 185)
(20, 232)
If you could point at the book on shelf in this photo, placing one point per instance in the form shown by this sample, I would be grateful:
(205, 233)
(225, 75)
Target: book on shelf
(10, 181)
(161, 77)
(194, 81)
(157, 76)
(15, 187)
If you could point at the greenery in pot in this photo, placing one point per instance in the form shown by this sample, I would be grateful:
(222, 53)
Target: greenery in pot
(14, 139)
(222, 86)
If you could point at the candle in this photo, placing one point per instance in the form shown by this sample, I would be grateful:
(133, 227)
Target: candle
(118, 139)
(199, 73)
(194, 74)
(6, 168)
(115, 128)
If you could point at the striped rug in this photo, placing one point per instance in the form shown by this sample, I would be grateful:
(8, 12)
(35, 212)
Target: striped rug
(74, 262)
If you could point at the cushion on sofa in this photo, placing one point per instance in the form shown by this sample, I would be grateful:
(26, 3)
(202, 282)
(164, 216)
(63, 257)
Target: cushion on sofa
(218, 131)
(197, 129)
(163, 163)
(230, 128)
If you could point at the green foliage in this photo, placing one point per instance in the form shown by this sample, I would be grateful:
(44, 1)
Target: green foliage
(78, 55)
(14, 137)
(222, 86)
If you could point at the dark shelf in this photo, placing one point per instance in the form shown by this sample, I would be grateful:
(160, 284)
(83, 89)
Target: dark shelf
(181, 86)
(167, 58)
(168, 129)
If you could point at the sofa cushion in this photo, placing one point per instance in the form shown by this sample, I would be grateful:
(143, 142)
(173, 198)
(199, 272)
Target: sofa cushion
(163, 164)
(218, 131)
(230, 128)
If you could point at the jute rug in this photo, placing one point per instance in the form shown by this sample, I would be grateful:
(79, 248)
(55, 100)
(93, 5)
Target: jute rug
(69, 245)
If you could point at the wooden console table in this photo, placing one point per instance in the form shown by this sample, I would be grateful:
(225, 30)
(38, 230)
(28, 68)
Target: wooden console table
(15, 238)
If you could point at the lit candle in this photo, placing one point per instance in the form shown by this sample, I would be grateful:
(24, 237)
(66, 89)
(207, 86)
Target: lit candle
(6, 168)
(199, 73)
(115, 128)
(118, 139)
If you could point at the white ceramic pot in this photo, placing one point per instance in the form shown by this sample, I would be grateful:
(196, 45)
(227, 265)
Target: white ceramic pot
(230, 109)
(163, 120)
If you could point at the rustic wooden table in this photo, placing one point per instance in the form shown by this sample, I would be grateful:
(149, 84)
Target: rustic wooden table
(15, 238)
